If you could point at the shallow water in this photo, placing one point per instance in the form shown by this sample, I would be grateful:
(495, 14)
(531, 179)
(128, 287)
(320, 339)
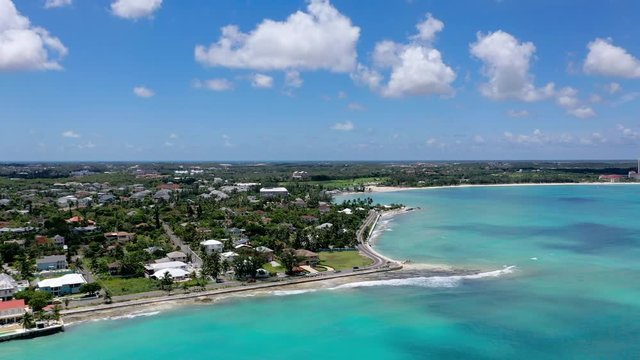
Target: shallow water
(573, 291)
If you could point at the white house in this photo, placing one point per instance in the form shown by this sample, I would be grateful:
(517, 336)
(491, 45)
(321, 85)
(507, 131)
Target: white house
(153, 268)
(8, 287)
(177, 256)
(63, 285)
(274, 192)
(211, 246)
(176, 274)
(228, 256)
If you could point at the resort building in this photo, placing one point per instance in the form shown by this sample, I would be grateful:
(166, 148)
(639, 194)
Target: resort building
(64, 285)
(8, 287)
(52, 262)
(12, 311)
(300, 175)
(211, 246)
(274, 192)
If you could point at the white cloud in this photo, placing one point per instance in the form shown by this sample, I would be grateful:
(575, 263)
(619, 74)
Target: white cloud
(262, 81)
(57, 3)
(143, 92)
(226, 141)
(506, 63)
(582, 112)
(518, 113)
(355, 107)
(344, 126)
(593, 139)
(213, 84)
(135, 9)
(292, 79)
(319, 39)
(416, 68)
(70, 134)
(86, 145)
(25, 47)
(435, 143)
(538, 138)
(342, 95)
(606, 59)
(168, 144)
(478, 139)
(613, 88)
(428, 29)
(173, 136)
(628, 133)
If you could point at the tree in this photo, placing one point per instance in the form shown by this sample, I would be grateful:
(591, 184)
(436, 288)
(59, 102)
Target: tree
(211, 265)
(56, 313)
(27, 321)
(289, 260)
(90, 288)
(166, 282)
(107, 296)
(36, 299)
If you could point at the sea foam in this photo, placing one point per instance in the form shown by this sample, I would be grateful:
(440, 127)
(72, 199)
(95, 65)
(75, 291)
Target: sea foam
(429, 282)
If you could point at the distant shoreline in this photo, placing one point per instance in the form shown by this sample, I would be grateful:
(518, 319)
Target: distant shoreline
(385, 189)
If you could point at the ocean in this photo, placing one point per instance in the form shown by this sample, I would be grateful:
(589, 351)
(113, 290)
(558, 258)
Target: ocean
(560, 280)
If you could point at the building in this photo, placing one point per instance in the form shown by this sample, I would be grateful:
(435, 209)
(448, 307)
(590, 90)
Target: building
(307, 257)
(42, 240)
(151, 269)
(176, 274)
(58, 240)
(52, 262)
(12, 311)
(300, 175)
(120, 236)
(228, 256)
(63, 285)
(8, 287)
(177, 256)
(268, 253)
(211, 246)
(274, 192)
(611, 178)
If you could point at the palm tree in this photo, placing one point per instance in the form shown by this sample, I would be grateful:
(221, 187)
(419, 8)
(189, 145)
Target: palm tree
(27, 321)
(166, 282)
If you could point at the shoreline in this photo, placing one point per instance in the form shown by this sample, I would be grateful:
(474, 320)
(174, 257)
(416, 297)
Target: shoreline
(385, 189)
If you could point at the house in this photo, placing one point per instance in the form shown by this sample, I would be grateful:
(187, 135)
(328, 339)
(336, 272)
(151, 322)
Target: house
(5, 202)
(268, 253)
(323, 207)
(228, 256)
(177, 256)
(42, 240)
(85, 229)
(79, 220)
(274, 192)
(299, 203)
(58, 240)
(211, 246)
(8, 287)
(140, 195)
(12, 311)
(176, 274)
(120, 236)
(63, 285)
(67, 201)
(164, 194)
(151, 269)
(611, 178)
(52, 262)
(169, 186)
(307, 257)
(324, 226)
(114, 268)
(346, 211)
(106, 198)
(300, 175)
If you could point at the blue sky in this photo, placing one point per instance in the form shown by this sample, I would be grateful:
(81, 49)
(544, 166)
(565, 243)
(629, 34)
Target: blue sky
(319, 80)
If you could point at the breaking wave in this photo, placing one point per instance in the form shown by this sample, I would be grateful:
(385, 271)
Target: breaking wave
(292, 292)
(431, 281)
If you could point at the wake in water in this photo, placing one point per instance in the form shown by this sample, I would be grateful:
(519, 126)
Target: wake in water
(429, 282)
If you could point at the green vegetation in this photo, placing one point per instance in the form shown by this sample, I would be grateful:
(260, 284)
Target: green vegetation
(126, 286)
(343, 260)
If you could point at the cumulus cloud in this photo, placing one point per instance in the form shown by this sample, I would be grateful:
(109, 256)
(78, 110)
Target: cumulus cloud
(135, 9)
(173, 136)
(416, 67)
(70, 134)
(627, 133)
(539, 138)
(613, 88)
(143, 92)
(26, 47)
(344, 126)
(213, 84)
(226, 141)
(606, 59)
(567, 98)
(434, 143)
(518, 113)
(582, 112)
(478, 140)
(57, 3)
(320, 38)
(506, 63)
(355, 107)
(262, 81)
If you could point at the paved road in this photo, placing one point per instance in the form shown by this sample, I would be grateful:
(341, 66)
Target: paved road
(195, 259)
(363, 242)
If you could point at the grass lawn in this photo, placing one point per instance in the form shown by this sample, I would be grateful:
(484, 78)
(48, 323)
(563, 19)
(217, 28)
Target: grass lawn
(122, 286)
(343, 260)
(272, 269)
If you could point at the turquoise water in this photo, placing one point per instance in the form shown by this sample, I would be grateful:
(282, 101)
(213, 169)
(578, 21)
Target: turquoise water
(575, 293)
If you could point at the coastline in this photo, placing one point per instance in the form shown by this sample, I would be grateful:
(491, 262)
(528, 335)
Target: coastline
(385, 189)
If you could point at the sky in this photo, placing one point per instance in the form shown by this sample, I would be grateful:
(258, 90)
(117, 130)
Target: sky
(171, 80)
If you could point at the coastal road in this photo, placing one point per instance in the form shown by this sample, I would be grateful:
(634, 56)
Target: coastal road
(195, 259)
(363, 240)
